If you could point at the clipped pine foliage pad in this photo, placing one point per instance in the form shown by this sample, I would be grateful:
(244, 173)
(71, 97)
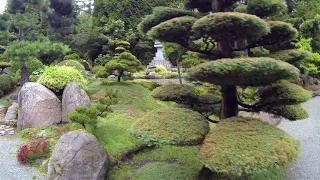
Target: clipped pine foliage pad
(292, 55)
(285, 93)
(161, 14)
(171, 126)
(231, 25)
(243, 71)
(291, 112)
(246, 147)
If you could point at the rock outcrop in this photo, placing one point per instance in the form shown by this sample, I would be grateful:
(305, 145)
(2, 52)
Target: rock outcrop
(12, 113)
(2, 113)
(73, 97)
(78, 155)
(38, 106)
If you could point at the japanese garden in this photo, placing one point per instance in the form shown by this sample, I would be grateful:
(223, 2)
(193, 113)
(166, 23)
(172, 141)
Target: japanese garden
(159, 89)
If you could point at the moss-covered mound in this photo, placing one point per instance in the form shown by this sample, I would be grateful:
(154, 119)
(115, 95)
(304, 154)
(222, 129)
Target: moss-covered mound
(246, 148)
(175, 126)
(185, 163)
(243, 71)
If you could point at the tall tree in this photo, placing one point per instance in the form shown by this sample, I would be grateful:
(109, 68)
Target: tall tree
(211, 24)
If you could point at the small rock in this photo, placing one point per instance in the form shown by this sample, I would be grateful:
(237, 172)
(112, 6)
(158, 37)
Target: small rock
(12, 112)
(2, 133)
(42, 134)
(10, 133)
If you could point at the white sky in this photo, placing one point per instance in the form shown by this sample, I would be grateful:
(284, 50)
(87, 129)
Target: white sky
(2, 5)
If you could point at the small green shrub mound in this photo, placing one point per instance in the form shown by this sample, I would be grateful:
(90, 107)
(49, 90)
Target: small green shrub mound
(243, 71)
(163, 170)
(73, 56)
(243, 148)
(57, 77)
(6, 84)
(284, 93)
(171, 126)
(180, 93)
(160, 68)
(291, 112)
(73, 63)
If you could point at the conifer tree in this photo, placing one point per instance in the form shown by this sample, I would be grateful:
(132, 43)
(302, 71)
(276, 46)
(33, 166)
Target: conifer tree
(228, 27)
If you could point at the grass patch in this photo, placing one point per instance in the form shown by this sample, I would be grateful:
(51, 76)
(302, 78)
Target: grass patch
(184, 159)
(248, 148)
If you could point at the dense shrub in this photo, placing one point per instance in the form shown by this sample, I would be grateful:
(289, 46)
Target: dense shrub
(57, 77)
(177, 126)
(160, 68)
(100, 71)
(243, 148)
(6, 84)
(73, 56)
(73, 63)
(28, 153)
(85, 116)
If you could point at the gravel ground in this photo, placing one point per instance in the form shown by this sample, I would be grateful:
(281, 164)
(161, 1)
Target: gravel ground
(10, 169)
(308, 133)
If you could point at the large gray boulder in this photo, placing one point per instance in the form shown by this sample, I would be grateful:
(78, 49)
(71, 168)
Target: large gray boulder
(12, 114)
(73, 97)
(78, 155)
(38, 107)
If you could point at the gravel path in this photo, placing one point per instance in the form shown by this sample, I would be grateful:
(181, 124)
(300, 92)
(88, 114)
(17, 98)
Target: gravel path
(10, 169)
(308, 133)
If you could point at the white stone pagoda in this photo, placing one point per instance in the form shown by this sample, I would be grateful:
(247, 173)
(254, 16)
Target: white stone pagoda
(159, 58)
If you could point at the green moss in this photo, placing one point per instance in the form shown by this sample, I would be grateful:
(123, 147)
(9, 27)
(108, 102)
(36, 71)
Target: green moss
(247, 147)
(162, 170)
(243, 71)
(231, 25)
(283, 93)
(291, 112)
(186, 156)
(176, 126)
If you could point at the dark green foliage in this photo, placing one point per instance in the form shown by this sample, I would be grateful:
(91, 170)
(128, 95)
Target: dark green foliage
(73, 56)
(103, 104)
(86, 116)
(161, 14)
(63, 7)
(283, 93)
(259, 52)
(73, 63)
(291, 112)
(176, 126)
(6, 84)
(266, 8)
(243, 71)
(280, 32)
(125, 62)
(231, 25)
(163, 170)
(174, 30)
(310, 29)
(205, 5)
(243, 148)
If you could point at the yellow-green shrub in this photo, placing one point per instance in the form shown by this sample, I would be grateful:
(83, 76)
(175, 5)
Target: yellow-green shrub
(57, 77)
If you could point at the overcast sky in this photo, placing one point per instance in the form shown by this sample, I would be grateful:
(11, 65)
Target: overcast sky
(2, 5)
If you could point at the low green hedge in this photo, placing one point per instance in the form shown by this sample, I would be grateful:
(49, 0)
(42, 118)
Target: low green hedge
(248, 148)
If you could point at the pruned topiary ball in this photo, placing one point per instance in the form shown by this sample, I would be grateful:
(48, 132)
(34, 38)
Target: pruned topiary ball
(243, 148)
(243, 71)
(231, 25)
(171, 126)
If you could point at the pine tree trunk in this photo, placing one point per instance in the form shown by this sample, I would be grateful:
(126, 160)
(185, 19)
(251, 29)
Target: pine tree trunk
(179, 71)
(229, 104)
(24, 73)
